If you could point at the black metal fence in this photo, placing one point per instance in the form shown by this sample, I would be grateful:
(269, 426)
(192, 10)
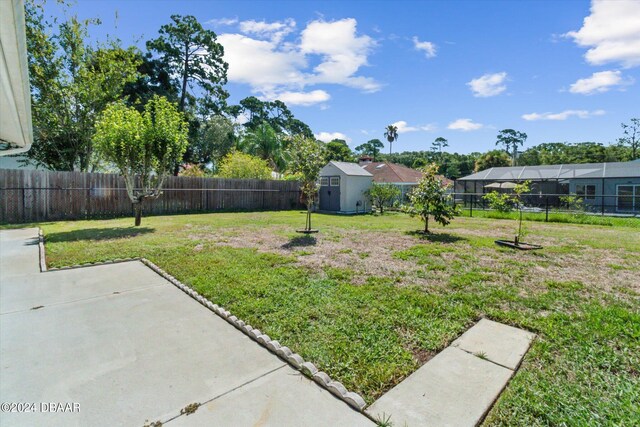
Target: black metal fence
(546, 204)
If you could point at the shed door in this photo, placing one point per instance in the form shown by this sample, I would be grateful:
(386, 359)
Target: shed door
(330, 193)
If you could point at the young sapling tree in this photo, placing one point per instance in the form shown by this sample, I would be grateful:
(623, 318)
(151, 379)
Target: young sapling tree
(383, 194)
(430, 198)
(144, 147)
(306, 158)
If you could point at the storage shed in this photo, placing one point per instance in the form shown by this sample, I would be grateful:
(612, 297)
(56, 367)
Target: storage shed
(342, 188)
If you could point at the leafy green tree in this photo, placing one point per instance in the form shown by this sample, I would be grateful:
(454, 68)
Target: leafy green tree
(266, 143)
(307, 157)
(71, 84)
(511, 139)
(430, 198)
(554, 153)
(518, 193)
(192, 171)
(501, 202)
(153, 79)
(438, 144)
(371, 148)
(507, 202)
(194, 57)
(382, 195)
(275, 113)
(216, 139)
(391, 133)
(631, 136)
(419, 163)
(143, 147)
(492, 159)
(339, 150)
(239, 165)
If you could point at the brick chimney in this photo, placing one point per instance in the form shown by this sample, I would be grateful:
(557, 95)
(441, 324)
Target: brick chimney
(364, 160)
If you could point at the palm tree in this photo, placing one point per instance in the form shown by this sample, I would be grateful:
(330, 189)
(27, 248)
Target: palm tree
(391, 133)
(264, 142)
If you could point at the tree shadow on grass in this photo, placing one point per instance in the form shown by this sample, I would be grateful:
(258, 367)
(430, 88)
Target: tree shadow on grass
(439, 237)
(97, 234)
(300, 241)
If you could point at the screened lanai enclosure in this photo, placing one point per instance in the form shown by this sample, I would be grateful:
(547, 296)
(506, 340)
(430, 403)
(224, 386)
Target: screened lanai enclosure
(607, 188)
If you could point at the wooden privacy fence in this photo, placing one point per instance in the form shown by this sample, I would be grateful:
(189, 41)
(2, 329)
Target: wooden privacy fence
(30, 196)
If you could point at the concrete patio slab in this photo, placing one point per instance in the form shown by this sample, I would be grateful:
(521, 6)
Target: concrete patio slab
(20, 252)
(140, 355)
(129, 347)
(497, 342)
(454, 388)
(271, 401)
(63, 286)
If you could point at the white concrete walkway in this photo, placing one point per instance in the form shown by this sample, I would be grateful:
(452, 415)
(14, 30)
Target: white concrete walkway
(459, 385)
(130, 348)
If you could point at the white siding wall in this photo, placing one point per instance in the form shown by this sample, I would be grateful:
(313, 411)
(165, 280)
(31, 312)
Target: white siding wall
(352, 190)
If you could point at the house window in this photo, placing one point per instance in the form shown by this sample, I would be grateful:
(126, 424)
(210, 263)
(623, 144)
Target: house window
(587, 192)
(324, 181)
(335, 181)
(628, 198)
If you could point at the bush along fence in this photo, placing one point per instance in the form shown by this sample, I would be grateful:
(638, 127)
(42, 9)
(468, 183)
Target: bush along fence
(31, 196)
(549, 204)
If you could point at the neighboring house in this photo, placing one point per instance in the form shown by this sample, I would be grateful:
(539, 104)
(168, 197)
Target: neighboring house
(342, 188)
(392, 173)
(604, 187)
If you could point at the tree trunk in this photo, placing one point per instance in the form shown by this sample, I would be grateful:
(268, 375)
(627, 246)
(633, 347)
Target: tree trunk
(137, 207)
(426, 224)
(381, 208)
(185, 76)
(309, 218)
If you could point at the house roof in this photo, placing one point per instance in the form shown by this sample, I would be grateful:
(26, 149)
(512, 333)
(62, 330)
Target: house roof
(392, 172)
(16, 132)
(564, 171)
(350, 169)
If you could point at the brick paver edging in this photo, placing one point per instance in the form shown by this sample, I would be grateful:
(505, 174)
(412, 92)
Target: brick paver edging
(294, 359)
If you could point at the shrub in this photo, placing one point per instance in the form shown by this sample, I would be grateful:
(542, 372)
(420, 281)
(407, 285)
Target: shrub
(243, 166)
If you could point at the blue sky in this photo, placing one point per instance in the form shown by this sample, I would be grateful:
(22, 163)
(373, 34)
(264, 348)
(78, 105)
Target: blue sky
(463, 70)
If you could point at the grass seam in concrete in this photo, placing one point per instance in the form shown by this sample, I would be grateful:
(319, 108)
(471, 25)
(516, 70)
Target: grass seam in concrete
(296, 361)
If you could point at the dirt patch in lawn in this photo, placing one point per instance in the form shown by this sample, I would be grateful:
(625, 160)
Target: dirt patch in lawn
(459, 252)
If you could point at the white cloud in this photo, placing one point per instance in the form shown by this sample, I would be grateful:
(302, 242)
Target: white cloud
(488, 85)
(599, 82)
(278, 69)
(611, 32)
(260, 64)
(342, 51)
(403, 127)
(564, 115)
(274, 31)
(300, 98)
(223, 21)
(464, 125)
(428, 47)
(330, 136)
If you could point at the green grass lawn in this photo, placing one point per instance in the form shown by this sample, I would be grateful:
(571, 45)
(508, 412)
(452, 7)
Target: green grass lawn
(368, 301)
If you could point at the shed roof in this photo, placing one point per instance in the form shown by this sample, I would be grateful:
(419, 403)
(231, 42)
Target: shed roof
(350, 169)
(564, 171)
